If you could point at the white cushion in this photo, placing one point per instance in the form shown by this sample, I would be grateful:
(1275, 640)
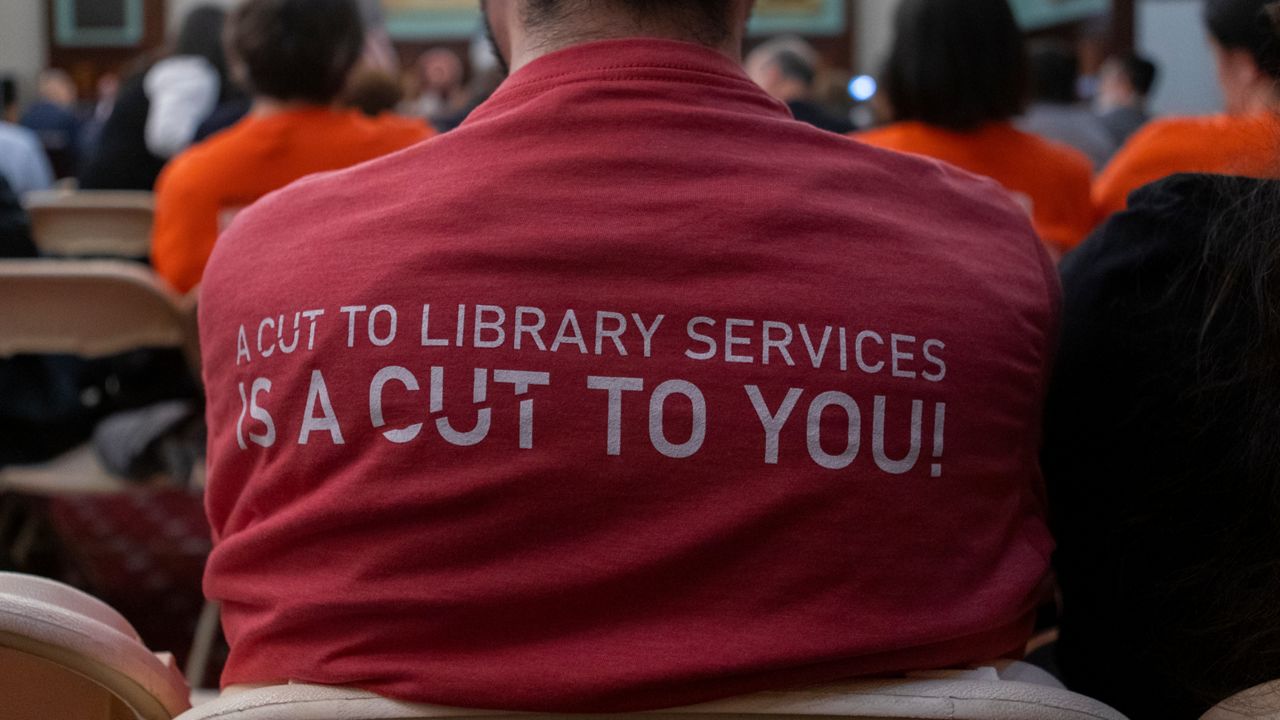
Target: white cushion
(981, 694)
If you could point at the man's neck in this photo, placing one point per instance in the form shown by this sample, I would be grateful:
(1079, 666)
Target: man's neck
(531, 47)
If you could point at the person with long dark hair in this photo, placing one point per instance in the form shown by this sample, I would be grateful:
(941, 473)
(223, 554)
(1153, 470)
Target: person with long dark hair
(186, 87)
(1163, 449)
(1241, 141)
(957, 76)
(160, 109)
(296, 57)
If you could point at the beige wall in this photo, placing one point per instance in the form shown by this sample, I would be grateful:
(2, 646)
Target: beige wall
(874, 32)
(22, 41)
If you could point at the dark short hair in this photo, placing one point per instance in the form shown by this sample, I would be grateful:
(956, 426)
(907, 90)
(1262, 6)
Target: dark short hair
(708, 20)
(957, 64)
(1140, 72)
(1246, 25)
(297, 49)
(372, 91)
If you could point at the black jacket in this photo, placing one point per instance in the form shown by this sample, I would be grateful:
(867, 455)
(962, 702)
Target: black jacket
(122, 160)
(1143, 457)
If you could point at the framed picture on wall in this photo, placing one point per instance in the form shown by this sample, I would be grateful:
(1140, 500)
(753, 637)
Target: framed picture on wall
(800, 17)
(98, 23)
(431, 19)
(1036, 14)
(441, 19)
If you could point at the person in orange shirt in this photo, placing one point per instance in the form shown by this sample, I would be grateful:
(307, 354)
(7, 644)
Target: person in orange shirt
(957, 75)
(1245, 140)
(295, 55)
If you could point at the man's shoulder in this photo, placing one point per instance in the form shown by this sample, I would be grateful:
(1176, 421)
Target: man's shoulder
(923, 194)
(311, 202)
(930, 177)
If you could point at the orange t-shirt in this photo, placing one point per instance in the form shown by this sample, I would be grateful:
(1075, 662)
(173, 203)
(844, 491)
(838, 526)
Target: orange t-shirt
(1221, 144)
(1053, 179)
(201, 188)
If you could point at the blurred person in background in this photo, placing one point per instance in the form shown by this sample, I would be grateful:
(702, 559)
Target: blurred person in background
(433, 537)
(787, 69)
(23, 161)
(53, 119)
(185, 87)
(96, 114)
(160, 109)
(372, 87)
(15, 226)
(957, 76)
(1056, 112)
(487, 74)
(379, 52)
(296, 57)
(1241, 141)
(442, 89)
(1126, 83)
(1162, 450)
(371, 91)
(8, 99)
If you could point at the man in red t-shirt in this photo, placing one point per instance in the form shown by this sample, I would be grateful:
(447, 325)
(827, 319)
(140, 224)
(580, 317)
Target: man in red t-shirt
(631, 392)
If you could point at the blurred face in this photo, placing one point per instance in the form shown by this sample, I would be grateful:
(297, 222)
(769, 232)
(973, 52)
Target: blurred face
(442, 71)
(58, 90)
(1114, 90)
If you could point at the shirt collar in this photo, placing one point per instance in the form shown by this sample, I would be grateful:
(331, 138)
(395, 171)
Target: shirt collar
(630, 59)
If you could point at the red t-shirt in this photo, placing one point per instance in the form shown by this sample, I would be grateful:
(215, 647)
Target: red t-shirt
(632, 392)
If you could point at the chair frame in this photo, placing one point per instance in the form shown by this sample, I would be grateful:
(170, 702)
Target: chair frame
(58, 624)
(102, 331)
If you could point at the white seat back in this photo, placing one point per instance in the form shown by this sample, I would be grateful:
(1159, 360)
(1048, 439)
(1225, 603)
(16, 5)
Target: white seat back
(984, 694)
